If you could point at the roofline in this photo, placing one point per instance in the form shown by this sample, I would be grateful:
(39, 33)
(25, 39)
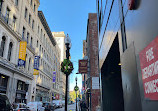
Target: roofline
(46, 27)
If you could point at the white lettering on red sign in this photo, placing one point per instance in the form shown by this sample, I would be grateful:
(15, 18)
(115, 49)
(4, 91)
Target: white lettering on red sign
(149, 67)
(149, 54)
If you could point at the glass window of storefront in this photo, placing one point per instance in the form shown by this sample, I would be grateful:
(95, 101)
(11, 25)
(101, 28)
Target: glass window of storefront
(3, 83)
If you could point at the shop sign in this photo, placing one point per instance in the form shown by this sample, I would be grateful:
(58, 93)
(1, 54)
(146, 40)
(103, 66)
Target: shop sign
(54, 76)
(83, 66)
(22, 53)
(36, 65)
(149, 69)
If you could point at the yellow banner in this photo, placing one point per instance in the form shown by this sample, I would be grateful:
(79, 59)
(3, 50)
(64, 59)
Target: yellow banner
(22, 50)
(35, 72)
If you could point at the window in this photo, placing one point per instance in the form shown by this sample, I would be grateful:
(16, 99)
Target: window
(16, 2)
(31, 41)
(37, 44)
(25, 59)
(7, 15)
(40, 48)
(38, 29)
(10, 51)
(34, 9)
(41, 34)
(31, 2)
(1, 2)
(28, 37)
(23, 33)
(29, 64)
(33, 24)
(25, 13)
(2, 46)
(29, 19)
(14, 23)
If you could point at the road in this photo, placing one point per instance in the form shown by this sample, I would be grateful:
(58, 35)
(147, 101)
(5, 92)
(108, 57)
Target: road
(71, 107)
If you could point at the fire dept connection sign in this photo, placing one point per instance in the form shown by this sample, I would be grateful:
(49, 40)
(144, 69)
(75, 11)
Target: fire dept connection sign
(149, 68)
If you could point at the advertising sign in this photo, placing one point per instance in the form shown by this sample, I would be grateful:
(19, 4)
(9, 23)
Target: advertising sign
(22, 53)
(54, 76)
(149, 69)
(36, 65)
(83, 66)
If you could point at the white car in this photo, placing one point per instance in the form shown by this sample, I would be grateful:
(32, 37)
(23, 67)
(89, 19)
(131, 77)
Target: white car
(35, 106)
(58, 103)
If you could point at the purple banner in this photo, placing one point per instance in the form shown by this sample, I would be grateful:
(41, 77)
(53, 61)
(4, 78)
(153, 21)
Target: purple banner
(54, 76)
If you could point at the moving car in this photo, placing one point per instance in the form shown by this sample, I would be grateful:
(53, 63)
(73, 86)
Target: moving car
(20, 107)
(4, 103)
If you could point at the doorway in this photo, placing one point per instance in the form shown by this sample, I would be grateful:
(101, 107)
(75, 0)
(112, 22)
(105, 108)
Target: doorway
(112, 92)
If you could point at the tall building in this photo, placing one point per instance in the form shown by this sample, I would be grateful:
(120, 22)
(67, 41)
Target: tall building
(20, 21)
(128, 39)
(60, 37)
(90, 80)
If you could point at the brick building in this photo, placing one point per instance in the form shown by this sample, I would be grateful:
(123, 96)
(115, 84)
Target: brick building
(92, 81)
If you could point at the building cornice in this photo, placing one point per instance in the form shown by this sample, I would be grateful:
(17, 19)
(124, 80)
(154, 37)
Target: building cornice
(46, 27)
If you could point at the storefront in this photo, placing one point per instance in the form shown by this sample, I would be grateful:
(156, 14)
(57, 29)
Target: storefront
(21, 92)
(3, 83)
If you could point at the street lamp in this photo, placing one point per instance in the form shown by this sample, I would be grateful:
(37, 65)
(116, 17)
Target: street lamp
(76, 93)
(68, 46)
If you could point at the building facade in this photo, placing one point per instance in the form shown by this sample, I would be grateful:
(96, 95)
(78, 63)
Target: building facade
(127, 33)
(60, 37)
(20, 20)
(91, 79)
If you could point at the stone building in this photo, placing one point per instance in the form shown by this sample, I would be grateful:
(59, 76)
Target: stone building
(60, 37)
(20, 20)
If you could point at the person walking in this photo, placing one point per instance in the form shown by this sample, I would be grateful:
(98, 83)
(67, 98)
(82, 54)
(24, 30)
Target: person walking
(83, 106)
(79, 105)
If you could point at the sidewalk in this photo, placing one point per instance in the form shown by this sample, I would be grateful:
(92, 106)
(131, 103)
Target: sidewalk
(71, 107)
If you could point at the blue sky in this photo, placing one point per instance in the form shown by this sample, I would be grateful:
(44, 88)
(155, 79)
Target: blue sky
(71, 17)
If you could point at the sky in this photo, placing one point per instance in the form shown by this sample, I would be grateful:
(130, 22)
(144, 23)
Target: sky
(71, 17)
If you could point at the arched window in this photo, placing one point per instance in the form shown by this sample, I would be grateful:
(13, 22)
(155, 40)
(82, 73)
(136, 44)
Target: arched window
(2, 46)
(10, 51)
(25, 59)
(29, 64)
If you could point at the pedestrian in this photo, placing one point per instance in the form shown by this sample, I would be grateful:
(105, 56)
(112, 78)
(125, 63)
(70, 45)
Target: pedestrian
(83, 106)
(79, 105)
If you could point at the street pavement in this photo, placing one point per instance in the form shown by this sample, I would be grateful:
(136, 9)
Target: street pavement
(71, 107)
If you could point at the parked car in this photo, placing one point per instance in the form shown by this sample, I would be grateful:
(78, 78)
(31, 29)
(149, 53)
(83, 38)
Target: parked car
(48, 106)
(58, 103)
(35, 106)
(63, 102)
(4, 103)
(20, 107)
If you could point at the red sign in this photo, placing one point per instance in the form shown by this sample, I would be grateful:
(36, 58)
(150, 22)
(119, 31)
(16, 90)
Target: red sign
(83, 66)
(57, 96)
(149, 68)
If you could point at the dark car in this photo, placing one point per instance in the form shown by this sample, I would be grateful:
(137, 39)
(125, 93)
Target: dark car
(4, 103)
(48, 106)
(20, 107)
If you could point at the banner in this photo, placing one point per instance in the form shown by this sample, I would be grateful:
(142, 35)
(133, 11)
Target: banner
(36, 65)
(22, 53)
(54, 76)
(83, 66)
(149, 68)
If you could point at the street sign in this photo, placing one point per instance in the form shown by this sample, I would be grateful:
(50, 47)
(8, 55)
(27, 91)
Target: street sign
(149, 69)
(76, 88)
(83, 66)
